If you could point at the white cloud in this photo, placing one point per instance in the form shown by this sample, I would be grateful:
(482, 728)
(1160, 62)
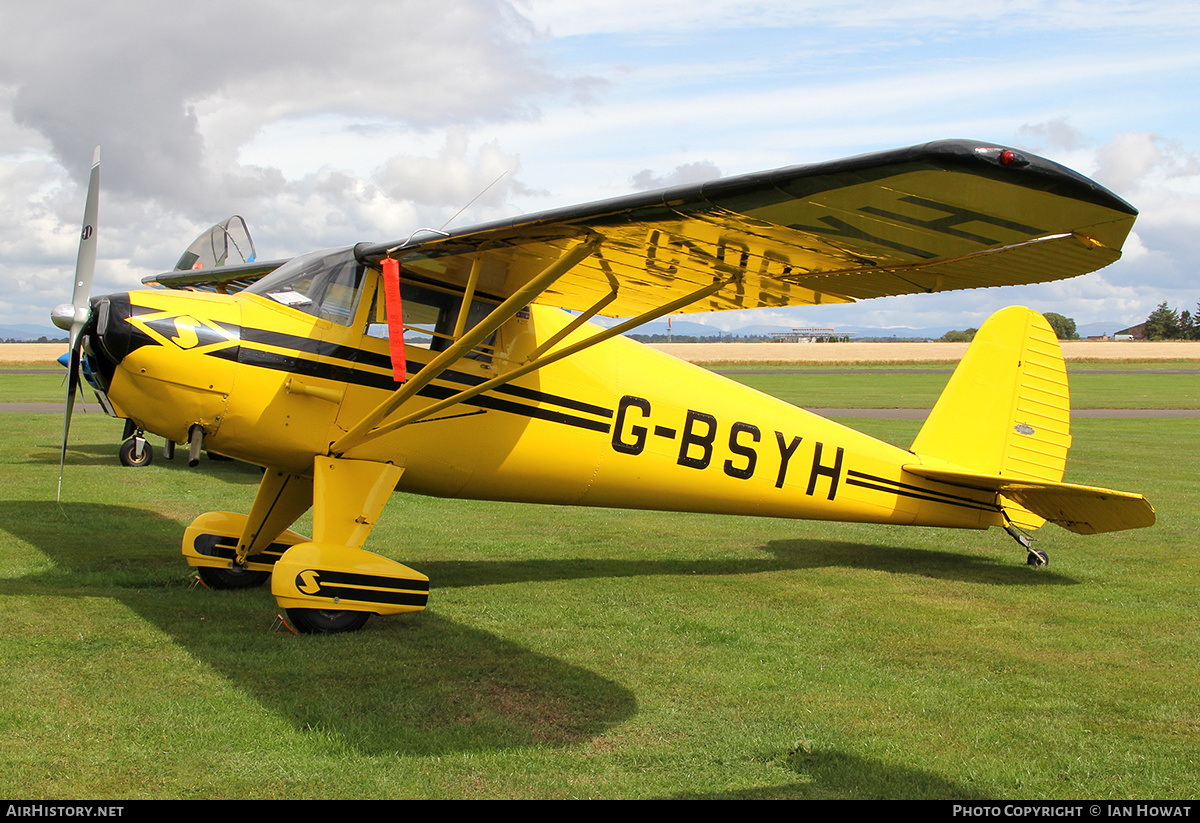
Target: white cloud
(173, 93)
(325, 124)
(698, 172)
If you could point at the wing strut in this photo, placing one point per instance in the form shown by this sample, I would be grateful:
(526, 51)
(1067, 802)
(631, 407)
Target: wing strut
(592, 311)
(566, 351)
(365, 429)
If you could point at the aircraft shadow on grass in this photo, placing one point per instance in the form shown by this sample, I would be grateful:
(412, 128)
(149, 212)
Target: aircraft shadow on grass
(831, 774)
(432, 687)
(105, 454)
(784, 555)
(431, 680)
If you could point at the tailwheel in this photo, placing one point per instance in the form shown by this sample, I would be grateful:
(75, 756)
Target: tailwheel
(236, 577)
(129, 452)
(319, 621)
(1036, 557)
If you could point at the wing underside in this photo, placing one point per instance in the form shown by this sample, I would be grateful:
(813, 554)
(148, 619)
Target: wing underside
(940, 217)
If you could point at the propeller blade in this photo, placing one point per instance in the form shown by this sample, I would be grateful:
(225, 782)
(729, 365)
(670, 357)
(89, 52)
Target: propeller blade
(81, 292)
(72, 384)
(85, 263)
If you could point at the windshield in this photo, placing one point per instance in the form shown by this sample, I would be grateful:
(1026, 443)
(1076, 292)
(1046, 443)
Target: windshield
(322, 283)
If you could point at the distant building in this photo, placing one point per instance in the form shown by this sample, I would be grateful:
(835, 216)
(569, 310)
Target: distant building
(811, 335)
(1137, 332)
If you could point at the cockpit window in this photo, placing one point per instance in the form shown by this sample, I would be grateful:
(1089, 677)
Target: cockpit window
(324, 284)
(430, 317)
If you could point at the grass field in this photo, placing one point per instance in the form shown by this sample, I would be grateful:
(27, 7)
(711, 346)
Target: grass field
(1134, 386)
(1124, 385)
(606, 654)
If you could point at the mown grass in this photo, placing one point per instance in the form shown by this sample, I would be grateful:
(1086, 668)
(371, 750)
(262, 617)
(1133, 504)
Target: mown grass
(918, 387)
(33, 386)
(1093, 386)
(598, 653)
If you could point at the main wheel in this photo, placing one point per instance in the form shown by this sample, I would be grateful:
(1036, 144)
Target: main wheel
(238, 577)
(318, 621)
(128, 458)
(1037, 557)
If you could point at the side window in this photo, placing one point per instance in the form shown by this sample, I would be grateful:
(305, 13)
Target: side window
(429, 318)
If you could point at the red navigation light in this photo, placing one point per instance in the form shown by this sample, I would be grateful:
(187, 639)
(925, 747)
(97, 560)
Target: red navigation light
(1008, 157)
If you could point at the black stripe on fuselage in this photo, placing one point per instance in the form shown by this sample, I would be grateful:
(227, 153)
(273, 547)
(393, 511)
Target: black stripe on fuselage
(382, 361)
(882, 484)
(354, 357)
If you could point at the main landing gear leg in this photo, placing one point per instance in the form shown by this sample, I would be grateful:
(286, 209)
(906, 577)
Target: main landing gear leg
(238, 551)
(331, 584)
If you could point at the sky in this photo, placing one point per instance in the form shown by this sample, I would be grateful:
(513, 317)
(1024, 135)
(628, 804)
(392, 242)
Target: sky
(326, 124)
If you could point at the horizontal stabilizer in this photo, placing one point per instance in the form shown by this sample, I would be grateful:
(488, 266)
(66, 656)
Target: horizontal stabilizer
(1081, 509)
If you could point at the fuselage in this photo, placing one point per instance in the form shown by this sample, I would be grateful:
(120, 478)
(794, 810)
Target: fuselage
(617, 424)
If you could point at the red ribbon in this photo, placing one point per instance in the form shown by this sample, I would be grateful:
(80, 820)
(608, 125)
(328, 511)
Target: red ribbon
(395, 318)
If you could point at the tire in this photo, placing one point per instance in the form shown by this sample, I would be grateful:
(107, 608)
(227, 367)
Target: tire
(318, 621)
(237, 577)
(128, 459)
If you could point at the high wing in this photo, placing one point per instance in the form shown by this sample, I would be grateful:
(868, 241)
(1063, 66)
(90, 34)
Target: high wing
(936, 217)
(942, 216)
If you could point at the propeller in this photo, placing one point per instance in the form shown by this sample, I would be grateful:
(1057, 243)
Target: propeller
(73, 316)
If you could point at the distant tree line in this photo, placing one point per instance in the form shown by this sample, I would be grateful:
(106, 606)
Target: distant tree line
(1064, 329)
(1164, 323)
(693, 338)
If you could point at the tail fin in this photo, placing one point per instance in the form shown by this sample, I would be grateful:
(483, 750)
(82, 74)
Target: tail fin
(1006, 410)
(1003, 424)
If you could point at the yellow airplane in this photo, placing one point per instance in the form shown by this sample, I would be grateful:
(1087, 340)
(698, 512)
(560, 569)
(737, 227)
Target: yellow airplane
(302, 366)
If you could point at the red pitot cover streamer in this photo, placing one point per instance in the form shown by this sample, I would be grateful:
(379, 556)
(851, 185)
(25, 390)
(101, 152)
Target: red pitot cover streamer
(395, 317)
